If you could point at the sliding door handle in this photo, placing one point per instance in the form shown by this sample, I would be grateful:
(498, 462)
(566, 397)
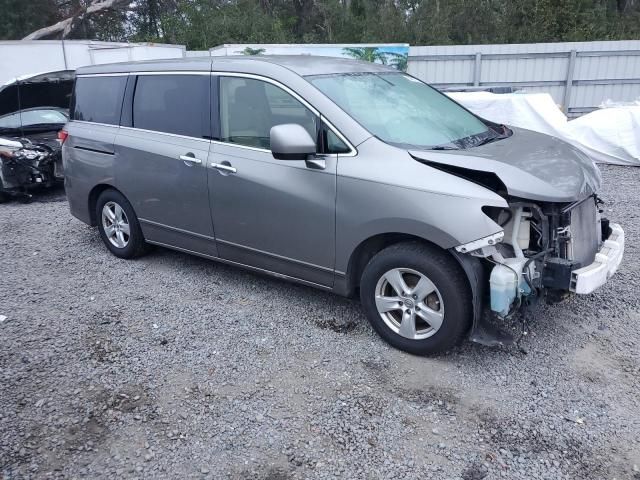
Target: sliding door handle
(190, 159)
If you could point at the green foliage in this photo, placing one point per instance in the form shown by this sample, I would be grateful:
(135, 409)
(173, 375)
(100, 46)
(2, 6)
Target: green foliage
(202, 24)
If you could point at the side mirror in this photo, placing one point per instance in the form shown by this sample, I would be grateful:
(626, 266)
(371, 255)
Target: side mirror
(291, 141)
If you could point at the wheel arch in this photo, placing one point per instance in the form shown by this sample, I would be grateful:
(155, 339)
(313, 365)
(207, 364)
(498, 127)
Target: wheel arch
(371, 246)
(93, 199)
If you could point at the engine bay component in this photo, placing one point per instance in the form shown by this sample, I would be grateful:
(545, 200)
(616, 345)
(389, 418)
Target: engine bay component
(507, 285)
(557, 273)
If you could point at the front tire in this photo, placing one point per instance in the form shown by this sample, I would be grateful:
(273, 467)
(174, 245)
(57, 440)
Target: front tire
(417, 298)
(118, 225)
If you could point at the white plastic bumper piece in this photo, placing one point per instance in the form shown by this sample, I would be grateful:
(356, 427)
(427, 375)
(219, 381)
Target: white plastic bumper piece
(587, 279)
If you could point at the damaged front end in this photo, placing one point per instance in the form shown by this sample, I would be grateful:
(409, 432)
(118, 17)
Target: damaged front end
(546, 250)
(24, 165)
(33, 109)
(553, 241)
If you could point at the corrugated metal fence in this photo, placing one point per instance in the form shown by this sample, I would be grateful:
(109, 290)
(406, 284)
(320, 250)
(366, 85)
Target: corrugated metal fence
(578, 75)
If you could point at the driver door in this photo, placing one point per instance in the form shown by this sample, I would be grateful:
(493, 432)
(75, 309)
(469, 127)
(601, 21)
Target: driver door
(276, 215)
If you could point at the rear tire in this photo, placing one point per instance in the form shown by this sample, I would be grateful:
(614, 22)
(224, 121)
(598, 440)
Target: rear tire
(417, 298)
(118, 225)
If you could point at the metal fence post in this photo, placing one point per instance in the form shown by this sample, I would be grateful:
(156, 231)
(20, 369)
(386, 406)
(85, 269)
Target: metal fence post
(64, 56)
(476, 69)
(569, 84)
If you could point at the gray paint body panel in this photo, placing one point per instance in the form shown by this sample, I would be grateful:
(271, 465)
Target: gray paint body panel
(532, 165)
(289, 217)
(168, 194)
(280, 211)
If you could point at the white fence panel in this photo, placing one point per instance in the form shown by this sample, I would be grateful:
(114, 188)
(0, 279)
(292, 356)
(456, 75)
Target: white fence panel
(19, 58)
(579, 75)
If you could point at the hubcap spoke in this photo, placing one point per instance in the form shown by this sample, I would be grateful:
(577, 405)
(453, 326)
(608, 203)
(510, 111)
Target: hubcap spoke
(423, 288)
(387, 304)
(394, 277)
(120, 239)
(116, 224)
(109, 213)
(408, 325)
(118, 212)
(432, 317)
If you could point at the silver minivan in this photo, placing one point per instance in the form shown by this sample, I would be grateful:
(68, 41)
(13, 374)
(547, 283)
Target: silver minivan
(343, 175)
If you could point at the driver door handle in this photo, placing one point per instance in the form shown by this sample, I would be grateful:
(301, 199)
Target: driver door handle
(223, 168)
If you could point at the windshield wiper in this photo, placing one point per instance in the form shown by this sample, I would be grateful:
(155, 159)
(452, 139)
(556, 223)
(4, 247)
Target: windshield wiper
(444, 147)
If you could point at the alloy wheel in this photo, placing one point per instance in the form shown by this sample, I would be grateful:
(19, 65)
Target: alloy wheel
(409, 303)
(115, 224)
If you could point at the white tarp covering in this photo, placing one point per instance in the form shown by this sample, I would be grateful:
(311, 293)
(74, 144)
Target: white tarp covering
(608, 135)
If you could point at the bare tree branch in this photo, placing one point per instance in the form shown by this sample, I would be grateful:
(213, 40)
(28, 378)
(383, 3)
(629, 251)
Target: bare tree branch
(63, 28)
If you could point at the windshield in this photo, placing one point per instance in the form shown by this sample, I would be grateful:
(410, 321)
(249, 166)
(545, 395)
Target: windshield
(33, 119)
(401, 110)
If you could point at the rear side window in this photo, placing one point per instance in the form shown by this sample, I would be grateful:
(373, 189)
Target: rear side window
(177, 104)
(98, 99)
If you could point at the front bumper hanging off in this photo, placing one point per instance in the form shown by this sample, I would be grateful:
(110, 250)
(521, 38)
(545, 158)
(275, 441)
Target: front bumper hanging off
(587, 279)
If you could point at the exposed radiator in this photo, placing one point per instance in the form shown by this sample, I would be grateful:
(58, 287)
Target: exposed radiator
(585, 232)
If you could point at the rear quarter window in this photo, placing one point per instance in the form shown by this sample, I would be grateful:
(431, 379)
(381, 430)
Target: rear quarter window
(98, 99)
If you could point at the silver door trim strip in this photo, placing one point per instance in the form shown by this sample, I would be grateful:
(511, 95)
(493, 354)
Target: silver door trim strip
(176, 229)
(275, 255)
(85, 122)
(246, 147)
(174, 72)
(242, 265)
(118, 74)
(176, 135)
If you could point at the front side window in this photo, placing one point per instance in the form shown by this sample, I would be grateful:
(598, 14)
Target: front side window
(334, 144)
(249, 108)
(98, 99)
(401, 110)
(177, 104)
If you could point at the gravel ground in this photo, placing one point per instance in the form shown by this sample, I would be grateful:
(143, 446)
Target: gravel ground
(172, 366)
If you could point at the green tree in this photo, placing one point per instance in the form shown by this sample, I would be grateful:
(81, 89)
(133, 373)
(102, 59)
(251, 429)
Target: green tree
(253, 51)
(202, 24)
(369, 54)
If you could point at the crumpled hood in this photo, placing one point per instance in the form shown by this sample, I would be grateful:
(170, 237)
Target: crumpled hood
(531, 165)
